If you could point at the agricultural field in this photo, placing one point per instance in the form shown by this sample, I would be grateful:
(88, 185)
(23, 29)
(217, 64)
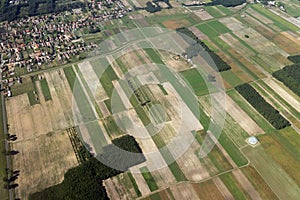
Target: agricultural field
(41, 132)
(170, 104)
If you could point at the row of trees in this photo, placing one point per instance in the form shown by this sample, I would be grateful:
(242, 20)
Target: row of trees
(290, 76)
(263, 107)
(226, 3)
(198, 47)
(84, 182)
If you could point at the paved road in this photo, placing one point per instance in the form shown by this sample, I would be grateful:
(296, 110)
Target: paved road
(7, 147)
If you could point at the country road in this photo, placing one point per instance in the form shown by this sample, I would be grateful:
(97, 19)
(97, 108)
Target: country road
(7, 147)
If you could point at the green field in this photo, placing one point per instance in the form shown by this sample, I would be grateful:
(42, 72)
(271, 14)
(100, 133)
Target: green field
(207, 30)
(112, 127)
(196, 81)
(283, 152)
(278, 21)
(231, 78)
(88, 115)
(213, 28)
(149, 179)
(219, 27)
(176, 171)
(155, 196)
(105, 73)
(232, 150)
(168, 157)
(45, 90)
(32, 98)
(259, 184)
(225, 10)
(215, 156)
(277, 179)
(135, 186)
(233, 186)
(292, 7)
(27, 86)
(213, 12)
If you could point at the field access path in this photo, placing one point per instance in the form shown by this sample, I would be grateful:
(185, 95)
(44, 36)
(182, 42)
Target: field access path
(7, 147)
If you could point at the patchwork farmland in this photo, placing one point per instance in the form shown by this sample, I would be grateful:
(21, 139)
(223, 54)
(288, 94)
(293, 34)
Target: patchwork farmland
(168, 102)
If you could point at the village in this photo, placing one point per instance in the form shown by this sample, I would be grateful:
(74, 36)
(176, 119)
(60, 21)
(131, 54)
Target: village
(38, 42)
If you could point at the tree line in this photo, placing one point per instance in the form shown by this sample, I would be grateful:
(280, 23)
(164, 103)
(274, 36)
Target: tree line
(294, 58)
(197, 47)
(290, 76)
(84, 182)
(36, 7)
(226, 3)
(264, 108)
